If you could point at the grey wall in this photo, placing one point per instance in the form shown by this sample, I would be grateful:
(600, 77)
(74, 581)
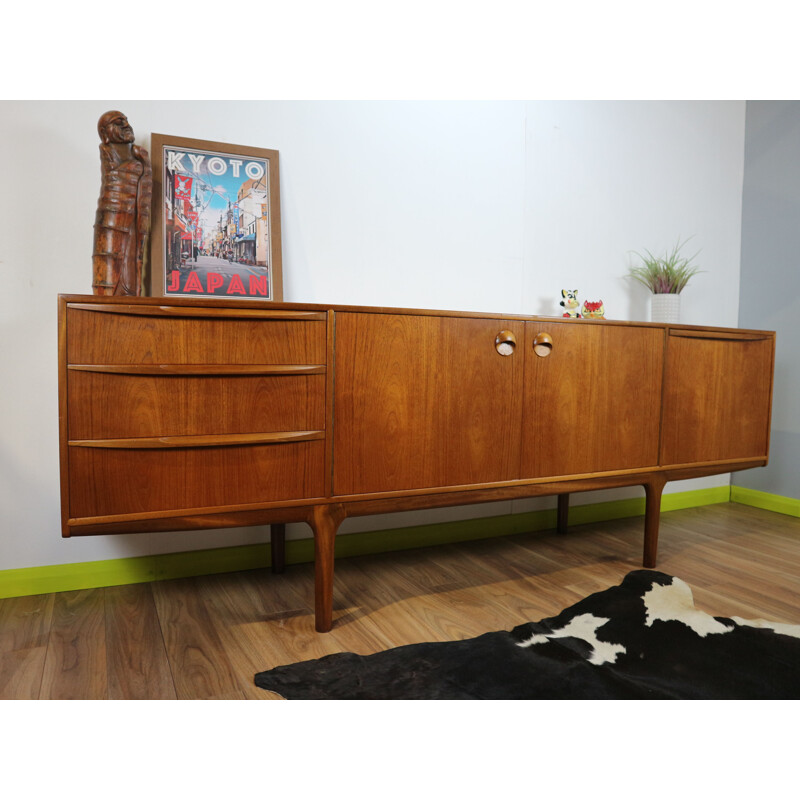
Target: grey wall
(770, 277)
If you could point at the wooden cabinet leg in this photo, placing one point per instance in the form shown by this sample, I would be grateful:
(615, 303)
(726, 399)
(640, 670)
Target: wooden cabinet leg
(324, 522)
(562, 519)
(652, 517)
(277, 546)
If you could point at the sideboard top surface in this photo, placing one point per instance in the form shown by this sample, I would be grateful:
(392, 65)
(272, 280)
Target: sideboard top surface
(222, 303)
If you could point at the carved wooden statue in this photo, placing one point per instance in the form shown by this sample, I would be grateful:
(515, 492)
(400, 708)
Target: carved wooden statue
(122, 224)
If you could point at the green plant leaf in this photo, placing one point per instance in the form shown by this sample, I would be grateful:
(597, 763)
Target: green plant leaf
(667, 274)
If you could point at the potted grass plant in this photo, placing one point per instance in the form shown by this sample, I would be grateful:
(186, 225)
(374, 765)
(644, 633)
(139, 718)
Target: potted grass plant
(666, 277)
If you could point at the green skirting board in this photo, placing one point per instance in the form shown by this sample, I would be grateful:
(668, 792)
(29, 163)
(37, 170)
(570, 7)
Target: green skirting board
(142, 569)
(769, 502)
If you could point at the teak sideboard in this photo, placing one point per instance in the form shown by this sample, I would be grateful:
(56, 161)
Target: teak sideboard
(184, 413)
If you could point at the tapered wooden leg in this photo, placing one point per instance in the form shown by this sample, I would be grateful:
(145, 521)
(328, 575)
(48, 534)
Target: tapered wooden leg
(563, 513)
(277, 546)
(324, 522)
(652, 517)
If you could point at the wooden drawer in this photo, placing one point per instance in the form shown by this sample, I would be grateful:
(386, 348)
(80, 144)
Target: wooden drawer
(113, 334)
(117, 481)
(116, 405)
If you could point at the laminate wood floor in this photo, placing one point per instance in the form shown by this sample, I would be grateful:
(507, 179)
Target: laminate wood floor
(206, 637)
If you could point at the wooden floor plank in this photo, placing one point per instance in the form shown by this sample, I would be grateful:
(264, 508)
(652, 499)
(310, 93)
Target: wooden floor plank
(207, 637)
(458, 609)
(75, 665)
(250, 620)
(138, 668)
(24, 630)
(200, 666)
(21, 673)
(378, 604)
(294, 637)
(725, 601)
(25, 622)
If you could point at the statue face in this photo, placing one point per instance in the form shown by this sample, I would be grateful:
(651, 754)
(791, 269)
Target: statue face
(119, 130)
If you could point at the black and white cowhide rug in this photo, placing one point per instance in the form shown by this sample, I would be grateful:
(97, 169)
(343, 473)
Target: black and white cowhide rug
(643, 639)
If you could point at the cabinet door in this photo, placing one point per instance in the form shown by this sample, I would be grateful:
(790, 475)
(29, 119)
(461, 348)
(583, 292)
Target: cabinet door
(717, 396)
(592, 398)
(423, 401)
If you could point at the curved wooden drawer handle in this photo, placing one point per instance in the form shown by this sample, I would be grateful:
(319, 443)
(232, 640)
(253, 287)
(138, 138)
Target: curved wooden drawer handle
(202, 312)
(543, 344)
(505, 342)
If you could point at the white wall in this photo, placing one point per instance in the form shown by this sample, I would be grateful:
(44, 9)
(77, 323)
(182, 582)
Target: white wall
(490, 206)
(607, 178)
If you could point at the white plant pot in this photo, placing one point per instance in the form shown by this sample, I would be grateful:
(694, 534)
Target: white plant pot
(665, 308)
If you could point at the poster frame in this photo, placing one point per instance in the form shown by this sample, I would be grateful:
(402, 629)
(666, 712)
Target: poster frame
(168, 221)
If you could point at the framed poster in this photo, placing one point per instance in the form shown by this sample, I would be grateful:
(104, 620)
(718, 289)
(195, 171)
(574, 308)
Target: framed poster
(216, 220)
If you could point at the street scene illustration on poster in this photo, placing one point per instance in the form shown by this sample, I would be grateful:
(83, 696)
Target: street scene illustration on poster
(216, 224)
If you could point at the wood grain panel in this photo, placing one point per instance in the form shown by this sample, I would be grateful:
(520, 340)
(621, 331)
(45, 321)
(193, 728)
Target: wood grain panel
(75, 667)
(97, 338)
(109, 406)
(423, 401)
(717, 397)
(138, 668)
(593, 404)
(104, 482)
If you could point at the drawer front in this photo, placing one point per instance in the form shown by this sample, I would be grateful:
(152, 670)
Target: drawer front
(114, 481)
(97, 337)
(111, 405)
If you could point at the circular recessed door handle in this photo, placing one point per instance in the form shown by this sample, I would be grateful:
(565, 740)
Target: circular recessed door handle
(505, 342)
(543, 344)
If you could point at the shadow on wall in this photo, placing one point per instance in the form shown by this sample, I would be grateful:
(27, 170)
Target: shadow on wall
(638, 301)
(548, 307)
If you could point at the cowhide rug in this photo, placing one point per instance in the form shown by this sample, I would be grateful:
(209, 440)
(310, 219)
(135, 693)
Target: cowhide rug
(643, 639)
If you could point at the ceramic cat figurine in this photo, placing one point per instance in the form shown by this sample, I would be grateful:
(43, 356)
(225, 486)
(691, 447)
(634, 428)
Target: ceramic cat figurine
(570, 302)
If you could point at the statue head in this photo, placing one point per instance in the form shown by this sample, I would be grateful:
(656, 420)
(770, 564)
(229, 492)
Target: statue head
(113, 126)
